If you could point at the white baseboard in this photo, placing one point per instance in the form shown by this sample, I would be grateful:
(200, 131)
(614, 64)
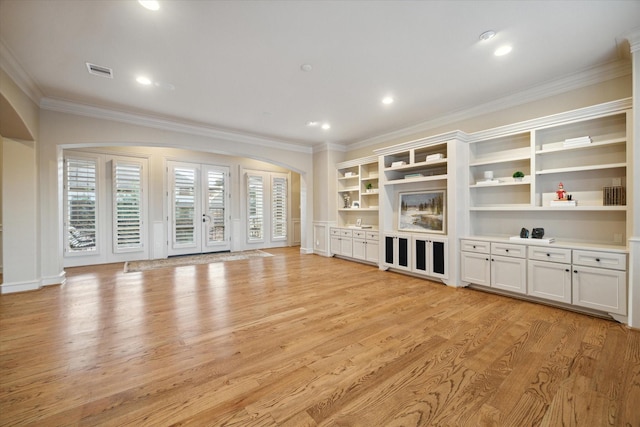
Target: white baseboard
(9, 288)
(59, 279)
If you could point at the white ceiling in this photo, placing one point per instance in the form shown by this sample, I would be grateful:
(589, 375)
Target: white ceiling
(236, 65)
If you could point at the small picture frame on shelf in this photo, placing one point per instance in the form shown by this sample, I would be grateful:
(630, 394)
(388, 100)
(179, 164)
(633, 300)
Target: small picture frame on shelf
(423, 211)
(358, 222)
(355, 205)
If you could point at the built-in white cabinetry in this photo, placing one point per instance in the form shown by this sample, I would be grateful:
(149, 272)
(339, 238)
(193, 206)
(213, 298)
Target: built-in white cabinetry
(427, 166)
(600, 281)
(584, 264)
(341, 242)
(366, 245)
(594, 279)
(549, 275)
(475, 262)
(358, 244)
(495, 264)
(509, 267)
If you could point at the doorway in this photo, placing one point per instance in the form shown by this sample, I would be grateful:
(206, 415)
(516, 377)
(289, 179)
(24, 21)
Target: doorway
(198, 208)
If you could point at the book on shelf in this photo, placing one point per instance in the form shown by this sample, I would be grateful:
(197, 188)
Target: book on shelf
(398, 163)
(432, 157)
(413, 175)
(363, 227)
(614, 196)
(563, 203)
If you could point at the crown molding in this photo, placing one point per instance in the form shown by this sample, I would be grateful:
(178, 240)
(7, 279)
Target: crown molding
(357, 162)
(574, 81)
(422, 142)
(19, 76)
(329, 146)
(585, 113)
(167, 125)
(633, 37)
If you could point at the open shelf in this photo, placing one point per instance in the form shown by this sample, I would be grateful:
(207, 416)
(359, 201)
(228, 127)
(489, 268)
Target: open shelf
(582, 168)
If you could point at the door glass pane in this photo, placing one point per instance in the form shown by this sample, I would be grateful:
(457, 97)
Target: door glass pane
(279, 208)
(255, 207)
(81, 218)
(184, 205)
(127, 204)
(216, 206)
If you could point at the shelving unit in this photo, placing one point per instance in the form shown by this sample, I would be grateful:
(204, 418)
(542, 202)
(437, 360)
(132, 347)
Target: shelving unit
(416, 166)
(358, 182)
(538, 149)
(596, 155)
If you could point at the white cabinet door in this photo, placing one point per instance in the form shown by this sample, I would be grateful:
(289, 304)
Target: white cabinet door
(600, 289)
(550, 280)
(346, 246)
(509, 273)
(335, 245)
(475, 268)
(430, 256)
(397, 251)
(359, 249)
(372, 250)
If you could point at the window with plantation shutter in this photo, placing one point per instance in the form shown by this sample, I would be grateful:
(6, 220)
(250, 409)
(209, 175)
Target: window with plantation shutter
(127, 206)
(255, 206)
(279, 207)
(81, 194)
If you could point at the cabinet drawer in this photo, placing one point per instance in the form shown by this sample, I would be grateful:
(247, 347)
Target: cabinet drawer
(550, 254)
(359, 234)
(345, 233)
(335, 231)
(509, 249)
(600, 259)
(373, 235)
(475, 246)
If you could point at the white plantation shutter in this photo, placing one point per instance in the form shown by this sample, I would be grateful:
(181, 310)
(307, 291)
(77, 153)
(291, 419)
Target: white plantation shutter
(255, 207)
(127, 206)
(184, 205)
(216, 205)
(279, 193)
(81, 205)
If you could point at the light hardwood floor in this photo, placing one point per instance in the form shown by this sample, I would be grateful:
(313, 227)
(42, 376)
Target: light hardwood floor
(303, 340)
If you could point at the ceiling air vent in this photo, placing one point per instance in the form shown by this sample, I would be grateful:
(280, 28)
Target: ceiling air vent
(98, 70)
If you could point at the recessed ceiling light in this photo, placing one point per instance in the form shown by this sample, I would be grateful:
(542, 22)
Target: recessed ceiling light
(326, 126)
(487, 35)
(150, 4)
(144, 80)
(387, 100)
(503, 50)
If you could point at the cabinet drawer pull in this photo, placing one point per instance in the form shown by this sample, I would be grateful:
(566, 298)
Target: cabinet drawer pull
(548, 254)
(506, 250)
(597, 259)
(567, 270)
(575, 271)
(474, 246)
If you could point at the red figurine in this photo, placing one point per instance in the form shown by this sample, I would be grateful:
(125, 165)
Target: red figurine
(560, 192)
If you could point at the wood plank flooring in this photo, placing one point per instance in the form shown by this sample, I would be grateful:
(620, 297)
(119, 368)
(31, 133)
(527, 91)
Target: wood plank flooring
(303, 340)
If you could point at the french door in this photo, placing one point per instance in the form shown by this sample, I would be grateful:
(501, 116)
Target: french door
(198, 208)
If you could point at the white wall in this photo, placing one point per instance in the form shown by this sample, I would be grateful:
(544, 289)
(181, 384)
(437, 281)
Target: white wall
(19, 193)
